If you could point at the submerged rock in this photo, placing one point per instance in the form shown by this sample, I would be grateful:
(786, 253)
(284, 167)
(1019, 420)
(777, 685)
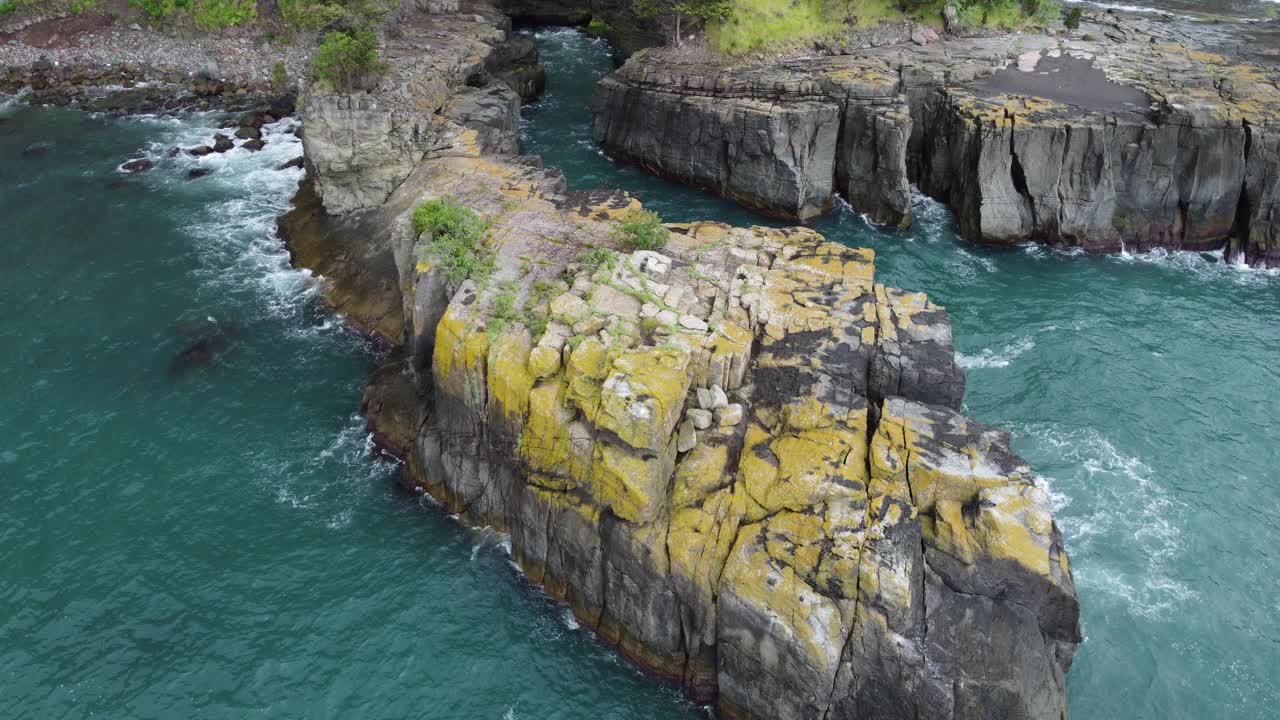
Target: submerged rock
(199, 354)
(138, 165)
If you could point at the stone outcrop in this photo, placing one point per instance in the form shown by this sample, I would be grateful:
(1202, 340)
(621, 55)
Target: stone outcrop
(455, 81)
(739, 458)
(362, 146)
(1124, 142)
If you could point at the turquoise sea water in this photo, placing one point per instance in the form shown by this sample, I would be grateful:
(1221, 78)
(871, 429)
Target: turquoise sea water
(1144, 389)
(220, 543)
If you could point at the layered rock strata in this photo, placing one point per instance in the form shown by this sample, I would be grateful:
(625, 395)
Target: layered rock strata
(738, 459)
(1124, 141)
(363, 146)
(450, 71)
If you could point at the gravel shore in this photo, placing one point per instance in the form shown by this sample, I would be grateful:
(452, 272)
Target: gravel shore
(89, 42)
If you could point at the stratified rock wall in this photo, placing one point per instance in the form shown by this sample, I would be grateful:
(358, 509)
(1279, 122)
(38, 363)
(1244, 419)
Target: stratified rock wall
(361, 146)
(739, 460)
(775, 139)
(1145, 144)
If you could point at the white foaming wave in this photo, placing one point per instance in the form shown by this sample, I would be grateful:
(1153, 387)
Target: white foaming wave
(1115, 501)
(567, 617)
(968, 265)
(238, 234)
(323, 485)
(1147, 10)
(989, 358)
(488, 538)
(1208, 266)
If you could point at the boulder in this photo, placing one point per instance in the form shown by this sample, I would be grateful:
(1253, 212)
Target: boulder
(138, 165)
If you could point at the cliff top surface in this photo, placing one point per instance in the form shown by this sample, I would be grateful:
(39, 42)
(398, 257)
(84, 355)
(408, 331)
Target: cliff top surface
(1112, 66)
(739, 441)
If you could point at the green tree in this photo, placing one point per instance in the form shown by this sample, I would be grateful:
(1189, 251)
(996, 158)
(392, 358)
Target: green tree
(348, 59)
(677, 10)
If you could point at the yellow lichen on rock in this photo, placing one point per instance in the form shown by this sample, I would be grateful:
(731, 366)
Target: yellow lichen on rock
(509, 381)
(460, 355)
(808, 458)
(588, 364)
(633, 485)
(544, 445)
(804, 626)
(642, 396)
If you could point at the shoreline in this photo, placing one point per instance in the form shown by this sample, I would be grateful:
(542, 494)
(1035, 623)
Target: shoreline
(95, 60)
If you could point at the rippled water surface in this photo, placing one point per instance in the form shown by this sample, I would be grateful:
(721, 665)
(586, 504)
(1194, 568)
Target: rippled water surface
(1144, 389)
(216, 541)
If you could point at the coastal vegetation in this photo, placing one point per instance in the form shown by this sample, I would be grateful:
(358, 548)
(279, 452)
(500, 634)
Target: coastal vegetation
(49, 7)
(348, 59)
(456, 244)
(294, 15)
(206, 14)
(739, 26)
(641, 230)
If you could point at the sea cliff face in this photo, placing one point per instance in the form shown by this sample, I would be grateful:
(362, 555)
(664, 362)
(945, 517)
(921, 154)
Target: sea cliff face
(738, 458)
(1125, 141)
(740, 461)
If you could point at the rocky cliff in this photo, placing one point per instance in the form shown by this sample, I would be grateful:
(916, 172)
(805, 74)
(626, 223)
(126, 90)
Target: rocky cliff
(738, 458)
(362, 146)
(1124, 141)
(450, 70)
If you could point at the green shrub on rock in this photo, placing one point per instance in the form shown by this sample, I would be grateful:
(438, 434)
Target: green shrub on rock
(279, 77)
(348, 59)
(598, 27)
(215, 14)
(457, 244)
(593, 260)
(641, 230)
(160, 9)
(47, 7)
(311, 14)
(1074, 15)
